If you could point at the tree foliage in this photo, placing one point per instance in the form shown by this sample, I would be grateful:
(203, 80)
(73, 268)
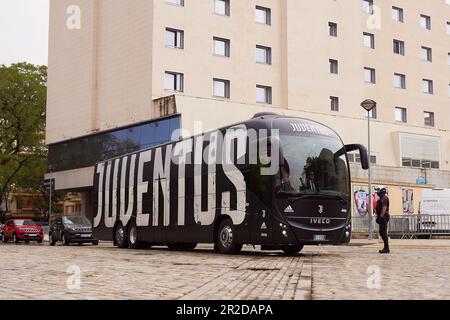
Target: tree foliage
(23, 154)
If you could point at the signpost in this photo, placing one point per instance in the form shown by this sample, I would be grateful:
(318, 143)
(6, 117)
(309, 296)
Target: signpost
(49, 185)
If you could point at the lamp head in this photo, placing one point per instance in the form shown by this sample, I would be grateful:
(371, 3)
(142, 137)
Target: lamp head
(368, 105)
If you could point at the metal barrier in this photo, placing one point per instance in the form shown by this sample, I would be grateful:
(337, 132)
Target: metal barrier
(410, 227)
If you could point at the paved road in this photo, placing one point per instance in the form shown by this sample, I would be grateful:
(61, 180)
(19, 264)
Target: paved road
(353, 272)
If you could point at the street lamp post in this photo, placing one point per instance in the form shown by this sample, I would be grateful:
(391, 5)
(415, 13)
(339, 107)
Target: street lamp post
(369, 105)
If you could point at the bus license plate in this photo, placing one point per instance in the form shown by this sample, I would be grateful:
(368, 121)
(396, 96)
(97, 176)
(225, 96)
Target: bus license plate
(320, 237)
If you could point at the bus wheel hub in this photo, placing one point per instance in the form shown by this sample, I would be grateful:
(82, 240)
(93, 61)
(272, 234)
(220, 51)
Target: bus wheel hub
(119, 235)
(226, 237)
(133, 235)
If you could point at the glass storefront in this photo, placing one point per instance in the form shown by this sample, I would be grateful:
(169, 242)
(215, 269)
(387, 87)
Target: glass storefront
(87, 151)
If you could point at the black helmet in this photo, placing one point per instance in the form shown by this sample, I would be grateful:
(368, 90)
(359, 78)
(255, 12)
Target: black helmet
(381, 191)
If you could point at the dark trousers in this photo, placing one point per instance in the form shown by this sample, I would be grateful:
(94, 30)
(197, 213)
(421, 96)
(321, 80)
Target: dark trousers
(384, 230)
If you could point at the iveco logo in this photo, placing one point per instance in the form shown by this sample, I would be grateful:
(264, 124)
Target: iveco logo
(320, 221)
(320, 209)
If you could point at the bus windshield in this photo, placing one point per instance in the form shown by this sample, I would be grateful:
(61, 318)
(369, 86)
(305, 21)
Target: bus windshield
(312, 165)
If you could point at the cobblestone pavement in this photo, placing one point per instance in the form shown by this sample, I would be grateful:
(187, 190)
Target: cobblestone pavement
(43, 272)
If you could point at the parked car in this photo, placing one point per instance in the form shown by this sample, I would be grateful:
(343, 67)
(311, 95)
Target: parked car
(22, 230)
(1, 231)
(71, 229)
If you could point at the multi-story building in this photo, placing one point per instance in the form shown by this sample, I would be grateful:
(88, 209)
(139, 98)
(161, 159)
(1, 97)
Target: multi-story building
(118, 66)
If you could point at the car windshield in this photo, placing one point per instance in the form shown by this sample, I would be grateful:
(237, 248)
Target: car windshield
(76, 220)
(24, 223)
(313, 165)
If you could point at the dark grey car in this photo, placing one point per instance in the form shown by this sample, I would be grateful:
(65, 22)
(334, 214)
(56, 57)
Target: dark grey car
(71, 229)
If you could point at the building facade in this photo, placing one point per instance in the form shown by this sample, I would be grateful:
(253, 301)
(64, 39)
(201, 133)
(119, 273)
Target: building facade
(124, 75)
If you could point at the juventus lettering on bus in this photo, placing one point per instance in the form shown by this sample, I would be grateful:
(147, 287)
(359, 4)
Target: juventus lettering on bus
(146, 182)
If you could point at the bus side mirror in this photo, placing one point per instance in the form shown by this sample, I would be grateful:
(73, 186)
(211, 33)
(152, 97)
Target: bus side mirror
(362, 153)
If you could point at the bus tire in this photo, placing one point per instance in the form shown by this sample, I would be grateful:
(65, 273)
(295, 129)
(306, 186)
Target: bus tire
(132, 234)
(226, 239)
(120, 236)
(292, 250)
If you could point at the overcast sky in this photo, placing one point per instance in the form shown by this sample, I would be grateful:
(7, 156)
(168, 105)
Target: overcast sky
(24, 31)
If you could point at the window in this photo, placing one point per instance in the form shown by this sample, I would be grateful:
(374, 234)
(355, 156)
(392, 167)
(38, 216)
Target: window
(401, 115)
(176, 2)
(427, 86)
(332, 29)
(263, 15)
(263, 94)
(221, 47)
(221, 88)
(334, 66)
(367, 6)
(174, 38)
(425, 22)
(263, 55)
(222, 7)
(419, 151)
(369, 40)
(397, 14)
(429, 118)
(372, 113)
(356, 158)
(427, 54)
(334, 101)
(91, 149)
(399, 47)
(174, 81)
(399, 81)
(369, 75)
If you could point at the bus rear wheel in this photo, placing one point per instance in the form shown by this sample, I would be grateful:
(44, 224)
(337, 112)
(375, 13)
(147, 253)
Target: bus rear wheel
(120, 237)
(133, 236)
(226, 238)
(292, 250)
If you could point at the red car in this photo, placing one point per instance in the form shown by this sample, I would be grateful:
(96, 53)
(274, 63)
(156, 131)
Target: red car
(22, 230)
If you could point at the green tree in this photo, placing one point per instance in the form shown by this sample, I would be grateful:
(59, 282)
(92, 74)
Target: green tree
(23, 154)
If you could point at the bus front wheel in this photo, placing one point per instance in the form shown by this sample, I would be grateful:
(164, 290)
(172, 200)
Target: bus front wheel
(226, 238)
(292, 250)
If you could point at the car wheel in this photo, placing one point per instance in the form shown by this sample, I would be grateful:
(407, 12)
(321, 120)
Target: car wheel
(292, 250)
(226, 238)
(15, 240)
(95, 243)
(65, 241)
(51, 240)
(4, 239)
(120, 237)
(27, 241)
(40, 241)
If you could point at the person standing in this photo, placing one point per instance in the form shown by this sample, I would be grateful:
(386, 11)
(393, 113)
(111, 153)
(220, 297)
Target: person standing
(383, 217)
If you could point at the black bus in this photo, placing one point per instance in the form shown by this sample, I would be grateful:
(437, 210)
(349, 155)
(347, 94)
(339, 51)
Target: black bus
(274, 181)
